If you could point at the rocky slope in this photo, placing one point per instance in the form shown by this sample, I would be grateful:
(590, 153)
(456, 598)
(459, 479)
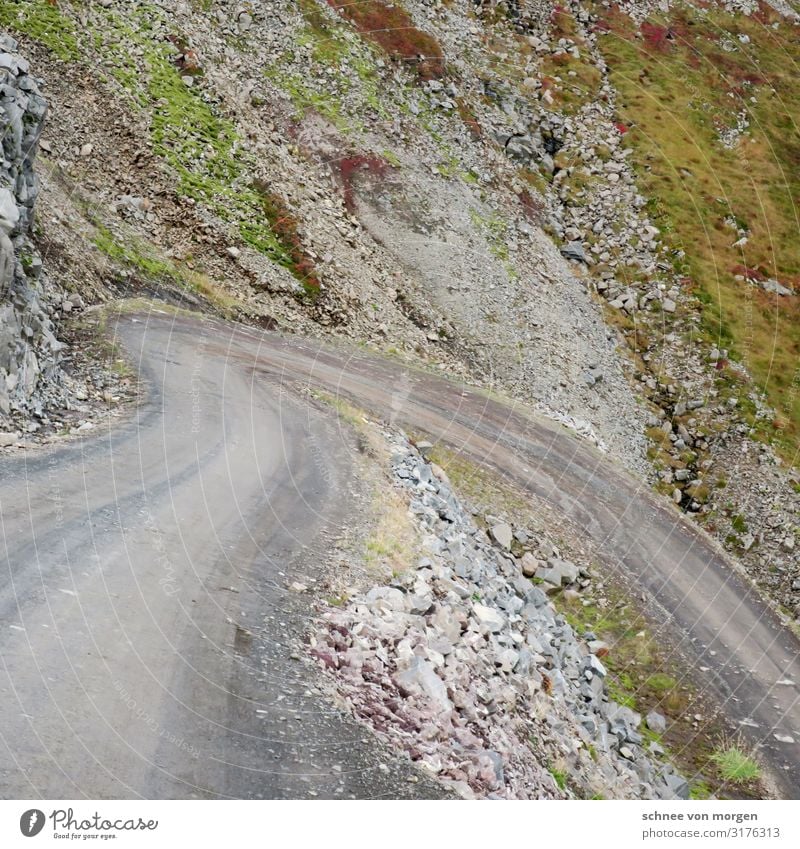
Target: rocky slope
(303, 167)
(488, 188)
(465, 664)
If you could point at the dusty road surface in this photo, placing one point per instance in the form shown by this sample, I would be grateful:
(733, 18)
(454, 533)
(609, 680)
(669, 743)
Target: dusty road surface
(130, 667)
(147, 631)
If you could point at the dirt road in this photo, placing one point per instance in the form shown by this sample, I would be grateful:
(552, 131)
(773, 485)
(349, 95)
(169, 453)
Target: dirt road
(147, 644)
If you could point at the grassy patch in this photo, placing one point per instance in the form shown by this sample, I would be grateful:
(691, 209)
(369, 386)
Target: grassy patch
(284, 227)
(136, 257)
(642, 675)
(735, 766)
(683, 78)
(390, 546)
(43, 22)
(559, 776)
(322, 42)
(739, 524)
(661, 683)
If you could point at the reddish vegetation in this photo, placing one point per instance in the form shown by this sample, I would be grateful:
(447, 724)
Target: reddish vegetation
(622, 128)
(391, 28)
(765, 14)
(656, 37)
(352, 164)
(469, 120)
(187, 61)
(532, 208)
(733, 70)
(286, 228)
(749, 273)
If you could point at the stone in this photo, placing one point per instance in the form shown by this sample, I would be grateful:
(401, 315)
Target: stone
(9, 211)
(549, 576)
(656, 722)
(776, 288)
(593, 665)
(489, 616)
(424, 447)
(529, 564)
(7, 262)
(575, 252)
(677, 785)
(668, 305)
(388, 598)
(558, 572)
(420, 678)
(502, 535)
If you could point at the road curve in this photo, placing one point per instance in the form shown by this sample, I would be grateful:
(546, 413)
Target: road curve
(123, 649)
(148, 638)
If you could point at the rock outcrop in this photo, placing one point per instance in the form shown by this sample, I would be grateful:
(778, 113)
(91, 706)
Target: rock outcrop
(29, 374)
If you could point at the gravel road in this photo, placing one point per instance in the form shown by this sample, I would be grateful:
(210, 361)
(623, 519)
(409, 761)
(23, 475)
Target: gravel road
(149, 632)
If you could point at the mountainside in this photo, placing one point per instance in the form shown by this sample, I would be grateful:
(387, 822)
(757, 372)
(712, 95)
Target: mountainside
(589, 207)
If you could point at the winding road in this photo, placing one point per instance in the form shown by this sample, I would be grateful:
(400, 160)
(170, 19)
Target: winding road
(149, 637)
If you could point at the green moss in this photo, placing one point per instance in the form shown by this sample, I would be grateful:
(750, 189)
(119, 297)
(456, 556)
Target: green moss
(661, 683)
(560, 777)
(333, 47)
(42, 22)
(495, 230)
(699, 790)
(739, 525)
(391, 157)
(134, 256)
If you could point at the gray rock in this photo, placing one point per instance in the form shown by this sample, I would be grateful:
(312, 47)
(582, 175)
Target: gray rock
(575, 251)
(420, 678)
(558, 572)
(529, 564)
(776, 288)
(9, 212)
(489, 616)
(388, 598)
(593, 665)
(656, 722)
(502, 534)
(677, 786)
(424, 447)
(7, 439)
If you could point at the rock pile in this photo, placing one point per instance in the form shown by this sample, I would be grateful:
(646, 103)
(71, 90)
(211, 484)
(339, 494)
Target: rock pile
(464, 663)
